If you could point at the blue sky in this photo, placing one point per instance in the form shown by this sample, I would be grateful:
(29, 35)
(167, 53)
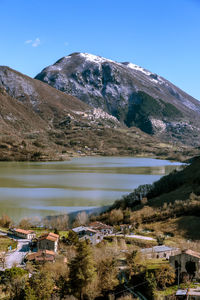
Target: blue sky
(160, 35)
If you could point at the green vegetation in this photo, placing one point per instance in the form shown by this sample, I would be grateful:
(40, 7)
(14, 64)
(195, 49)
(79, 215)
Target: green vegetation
(6, 243)
(145, 106)
(170, 111)
(81, 270)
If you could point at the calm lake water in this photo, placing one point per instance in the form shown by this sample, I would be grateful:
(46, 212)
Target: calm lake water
(53, 188)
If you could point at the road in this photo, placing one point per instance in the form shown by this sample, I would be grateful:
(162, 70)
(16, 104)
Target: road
(141, 237)
(15, 258)
(134, 236)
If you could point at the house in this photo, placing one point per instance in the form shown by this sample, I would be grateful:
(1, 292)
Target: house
(41, 256)
(48, 241)
(87, 233)
(103, 228)
(159, 252)
(24, 234)
(186, 264)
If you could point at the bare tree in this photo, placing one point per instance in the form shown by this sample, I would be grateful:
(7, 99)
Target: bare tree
(81, 219)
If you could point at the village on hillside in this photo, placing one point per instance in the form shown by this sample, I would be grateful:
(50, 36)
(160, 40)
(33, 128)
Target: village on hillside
(40, 246)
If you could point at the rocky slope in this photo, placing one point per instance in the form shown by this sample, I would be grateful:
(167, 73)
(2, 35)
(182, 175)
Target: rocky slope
(40, 122)
(135, 96)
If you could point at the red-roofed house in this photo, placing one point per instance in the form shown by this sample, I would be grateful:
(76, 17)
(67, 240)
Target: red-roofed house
(41, 256)
(48, 241)
(24, 234)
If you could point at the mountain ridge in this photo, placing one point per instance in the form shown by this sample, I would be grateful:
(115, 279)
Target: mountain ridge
(38, 122)
(116, 88)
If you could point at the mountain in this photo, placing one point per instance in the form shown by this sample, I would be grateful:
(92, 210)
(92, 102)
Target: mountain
(38, 122)
(132, 94)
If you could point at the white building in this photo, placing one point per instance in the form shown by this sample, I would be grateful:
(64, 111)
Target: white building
(24, 234)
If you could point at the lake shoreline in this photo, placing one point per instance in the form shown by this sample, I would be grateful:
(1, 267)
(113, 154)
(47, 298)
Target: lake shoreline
(68, 158)
(56, 187)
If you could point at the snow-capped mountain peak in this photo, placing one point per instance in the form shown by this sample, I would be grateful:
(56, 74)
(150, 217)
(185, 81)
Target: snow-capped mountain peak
(132, 94)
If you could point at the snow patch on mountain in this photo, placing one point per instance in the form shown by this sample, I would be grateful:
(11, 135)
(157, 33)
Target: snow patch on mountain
(137, 68)
(94, 58)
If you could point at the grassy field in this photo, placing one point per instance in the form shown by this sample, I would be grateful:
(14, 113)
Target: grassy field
(40, 231)
(3, 229)
(5, 242)
(152, 264)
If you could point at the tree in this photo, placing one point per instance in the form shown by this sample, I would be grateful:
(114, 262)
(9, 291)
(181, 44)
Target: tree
(107, 273)
(81, 219)
(14, 280)
(150, 278)
(116, 216)
(29, 293)
(81, 270)
(71, 239)
(93, 289)
(160, 240)
(5, 221)
(127, 215)
(25, 223)
(165, 275)
(41, 285)
(132, 260)
(58, 222)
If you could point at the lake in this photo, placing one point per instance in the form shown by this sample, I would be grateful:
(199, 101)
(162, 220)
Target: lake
(29, 189)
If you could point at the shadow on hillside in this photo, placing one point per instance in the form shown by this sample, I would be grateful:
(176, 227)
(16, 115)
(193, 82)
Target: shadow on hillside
(189, 227)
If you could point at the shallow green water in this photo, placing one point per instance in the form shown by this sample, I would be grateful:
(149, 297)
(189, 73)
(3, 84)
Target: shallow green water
(49, 188)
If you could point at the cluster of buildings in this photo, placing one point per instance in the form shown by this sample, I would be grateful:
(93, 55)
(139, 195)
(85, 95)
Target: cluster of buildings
(47, 244)
(94, 232)
(186, 263)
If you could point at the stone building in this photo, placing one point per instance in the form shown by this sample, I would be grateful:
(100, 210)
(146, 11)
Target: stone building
(186, 264)
(48, 241)
(159, 252)
(101, 227)
(41, 256)
(87, 233)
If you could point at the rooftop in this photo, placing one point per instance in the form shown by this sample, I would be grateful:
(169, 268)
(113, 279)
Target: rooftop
(83, 228)
(192, 253)
(23, 231)
(41, 255)
(49, 236)
(158, 249)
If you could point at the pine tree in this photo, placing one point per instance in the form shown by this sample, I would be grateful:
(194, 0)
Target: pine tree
(81, 270)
